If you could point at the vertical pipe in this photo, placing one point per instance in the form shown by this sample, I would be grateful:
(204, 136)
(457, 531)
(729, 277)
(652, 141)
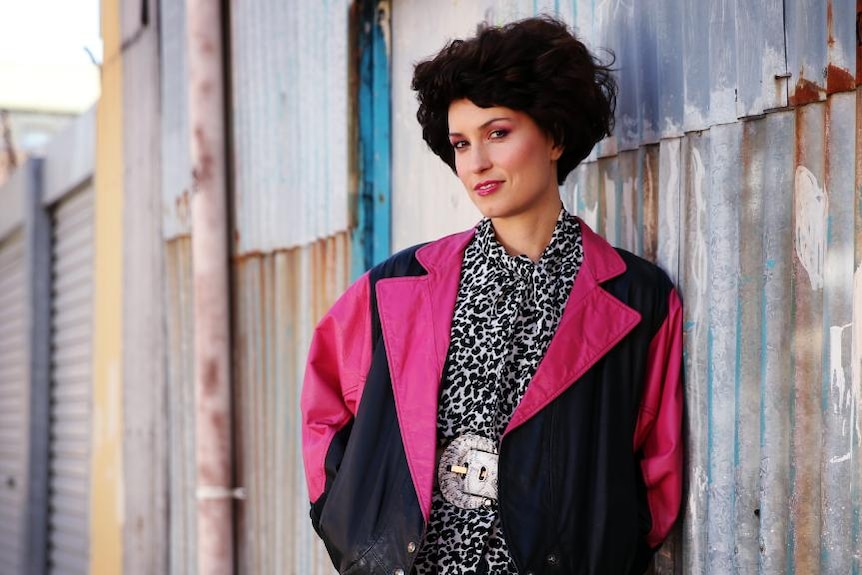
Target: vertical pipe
(210, 285)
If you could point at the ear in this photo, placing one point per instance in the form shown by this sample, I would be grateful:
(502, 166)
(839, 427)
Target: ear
(556, 152)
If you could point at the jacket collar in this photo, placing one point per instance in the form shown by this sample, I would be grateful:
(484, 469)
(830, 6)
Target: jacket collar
(418, 308)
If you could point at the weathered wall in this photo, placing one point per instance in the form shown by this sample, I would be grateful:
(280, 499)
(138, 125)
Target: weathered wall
(752, 207)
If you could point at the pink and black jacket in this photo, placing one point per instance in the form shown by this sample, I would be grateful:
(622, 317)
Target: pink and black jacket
(590, 465)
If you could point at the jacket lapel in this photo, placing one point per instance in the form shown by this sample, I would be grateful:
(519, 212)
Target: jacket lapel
(592, 323)
(416, 318)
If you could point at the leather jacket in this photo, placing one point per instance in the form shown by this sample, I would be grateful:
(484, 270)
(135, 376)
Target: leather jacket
(590, 465)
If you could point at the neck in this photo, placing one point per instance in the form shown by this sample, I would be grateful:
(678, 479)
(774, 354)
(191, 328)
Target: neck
(530, 233)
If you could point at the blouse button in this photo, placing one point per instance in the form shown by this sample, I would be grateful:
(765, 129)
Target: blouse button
(411, 547)
(552, 560)
(398, 571)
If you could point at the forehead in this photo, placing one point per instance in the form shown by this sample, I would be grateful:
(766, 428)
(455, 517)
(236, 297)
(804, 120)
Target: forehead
(464, 115)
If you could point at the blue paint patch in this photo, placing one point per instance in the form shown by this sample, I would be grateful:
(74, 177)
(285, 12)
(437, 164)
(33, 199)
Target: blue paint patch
(689, 325)
(770, 265)
(371, 239)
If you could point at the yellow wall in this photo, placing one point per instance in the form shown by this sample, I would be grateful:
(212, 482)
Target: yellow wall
(106, 464)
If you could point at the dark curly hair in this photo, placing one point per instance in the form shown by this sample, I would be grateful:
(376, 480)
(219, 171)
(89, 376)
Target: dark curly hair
(536, 66)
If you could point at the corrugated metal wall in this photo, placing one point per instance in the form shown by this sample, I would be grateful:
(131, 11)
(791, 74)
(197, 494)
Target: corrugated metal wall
(71, 358)
(176, 231)
(289, 62)
(13, 402)
(752, 207)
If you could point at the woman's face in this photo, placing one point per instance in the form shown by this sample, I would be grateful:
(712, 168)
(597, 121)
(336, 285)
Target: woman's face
(505, 161)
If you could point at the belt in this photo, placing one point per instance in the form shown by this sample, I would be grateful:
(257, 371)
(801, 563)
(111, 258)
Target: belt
(467, 472)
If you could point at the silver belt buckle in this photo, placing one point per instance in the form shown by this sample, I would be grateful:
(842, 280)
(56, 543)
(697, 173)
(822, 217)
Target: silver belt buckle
(467, 472)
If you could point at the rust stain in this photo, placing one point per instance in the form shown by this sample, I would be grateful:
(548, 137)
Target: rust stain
(202, 173)
(805, 92)
(183, 208)
(839, 80)
(211, 378)
(829, 25)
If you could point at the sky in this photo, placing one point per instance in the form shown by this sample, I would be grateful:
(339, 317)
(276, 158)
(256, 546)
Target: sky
(44, 59)
(55, 29)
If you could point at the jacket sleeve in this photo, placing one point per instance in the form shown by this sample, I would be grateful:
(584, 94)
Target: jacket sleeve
(337, 366)
(659, 427)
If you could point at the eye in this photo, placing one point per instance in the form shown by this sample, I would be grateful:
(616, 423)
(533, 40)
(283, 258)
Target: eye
(459, 144)
(498, 133)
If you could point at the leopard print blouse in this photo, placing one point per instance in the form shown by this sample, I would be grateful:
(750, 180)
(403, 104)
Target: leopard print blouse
(506, 313)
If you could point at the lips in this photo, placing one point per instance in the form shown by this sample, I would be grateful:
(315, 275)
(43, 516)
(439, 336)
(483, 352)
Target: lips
(487, 187)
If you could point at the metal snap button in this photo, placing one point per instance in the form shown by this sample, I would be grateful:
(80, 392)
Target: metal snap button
(398, 571)
(552, 559)
(411, 547)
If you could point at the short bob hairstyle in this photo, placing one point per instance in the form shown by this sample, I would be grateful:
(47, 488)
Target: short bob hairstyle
(536, 66)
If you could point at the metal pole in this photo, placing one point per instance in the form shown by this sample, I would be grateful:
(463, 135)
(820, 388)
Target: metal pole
(211, 289)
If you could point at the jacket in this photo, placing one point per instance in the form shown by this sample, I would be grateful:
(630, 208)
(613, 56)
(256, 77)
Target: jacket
(590, 464)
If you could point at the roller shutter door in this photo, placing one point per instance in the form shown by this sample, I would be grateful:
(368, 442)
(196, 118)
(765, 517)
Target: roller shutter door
(71, 334)
(13, 403)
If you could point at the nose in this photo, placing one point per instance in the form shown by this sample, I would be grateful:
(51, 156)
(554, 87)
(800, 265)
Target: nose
(477, 159)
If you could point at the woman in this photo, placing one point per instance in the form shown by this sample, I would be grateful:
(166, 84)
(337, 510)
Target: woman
(507, 399)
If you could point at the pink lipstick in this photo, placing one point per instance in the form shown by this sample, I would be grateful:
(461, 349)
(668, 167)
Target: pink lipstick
(487, 187)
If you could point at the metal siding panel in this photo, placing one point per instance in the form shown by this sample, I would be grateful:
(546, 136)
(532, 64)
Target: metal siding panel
(746, 513)
(760, 57)
(621, 30)
(841, 46)
(809, 240)
(280, 297)
(722, 313)
(722, 61)
(646, 56)
(696, 38)
(805, 22)
(694, 285)
(71, 317)
(630, 229)
(70, 157)
(176, 171)
(837, 401)
(181, 415)
(671, 79)
(13, 388)
(290, 122)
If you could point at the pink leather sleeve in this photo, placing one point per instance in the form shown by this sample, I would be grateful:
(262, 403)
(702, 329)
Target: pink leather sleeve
(659, 427)
(338, 363)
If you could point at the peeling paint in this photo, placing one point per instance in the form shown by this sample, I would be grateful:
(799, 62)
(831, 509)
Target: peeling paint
(836, 367)
(811, 207)
(855, 398)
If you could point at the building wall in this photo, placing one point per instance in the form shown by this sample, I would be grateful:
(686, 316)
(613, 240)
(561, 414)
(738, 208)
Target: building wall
(736, 169)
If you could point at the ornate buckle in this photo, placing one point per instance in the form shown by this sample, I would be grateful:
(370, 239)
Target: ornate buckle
(467, 472)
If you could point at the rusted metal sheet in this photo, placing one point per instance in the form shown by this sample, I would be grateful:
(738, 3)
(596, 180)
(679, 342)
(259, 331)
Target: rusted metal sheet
(760, 57)
(280, 297)
(181, 482)
(290, 120)
(805, 25)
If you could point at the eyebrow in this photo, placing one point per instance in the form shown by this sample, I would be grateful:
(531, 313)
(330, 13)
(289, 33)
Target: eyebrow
(483, 126)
